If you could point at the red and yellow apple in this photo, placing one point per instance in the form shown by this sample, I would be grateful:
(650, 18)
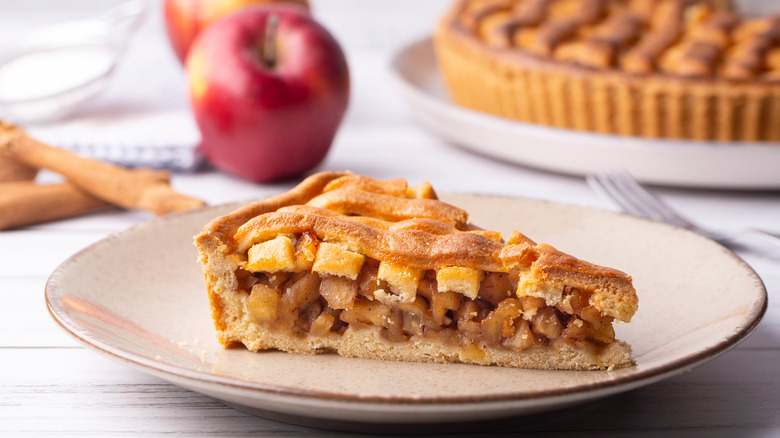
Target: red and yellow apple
(185, 19)
(268, 87)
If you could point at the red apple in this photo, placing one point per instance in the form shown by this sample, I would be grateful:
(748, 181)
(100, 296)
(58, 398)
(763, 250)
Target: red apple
(185, 19)
(268, 87)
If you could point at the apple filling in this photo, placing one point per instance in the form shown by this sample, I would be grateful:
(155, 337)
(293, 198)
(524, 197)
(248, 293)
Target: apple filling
(299, 285)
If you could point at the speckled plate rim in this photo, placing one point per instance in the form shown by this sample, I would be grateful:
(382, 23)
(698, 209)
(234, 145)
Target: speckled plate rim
(592, 390)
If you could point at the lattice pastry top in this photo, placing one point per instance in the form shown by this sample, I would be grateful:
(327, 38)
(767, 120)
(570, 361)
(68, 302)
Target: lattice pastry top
(690, 38)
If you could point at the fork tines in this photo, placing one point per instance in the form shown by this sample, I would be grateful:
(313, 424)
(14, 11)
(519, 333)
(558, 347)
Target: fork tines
(633, 198)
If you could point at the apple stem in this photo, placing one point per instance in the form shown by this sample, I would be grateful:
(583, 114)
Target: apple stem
(269, 43)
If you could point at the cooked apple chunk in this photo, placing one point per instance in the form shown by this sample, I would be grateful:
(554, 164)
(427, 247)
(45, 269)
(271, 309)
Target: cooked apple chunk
(332, 259)
(459, 279)
(274, 255)
(401, 279)
(339, 292)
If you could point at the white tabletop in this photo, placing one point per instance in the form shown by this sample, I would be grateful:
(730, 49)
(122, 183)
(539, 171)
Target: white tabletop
(50, 384)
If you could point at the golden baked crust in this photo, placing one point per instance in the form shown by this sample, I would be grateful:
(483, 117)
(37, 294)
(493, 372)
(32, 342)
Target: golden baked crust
(378, 269)
(688, 69)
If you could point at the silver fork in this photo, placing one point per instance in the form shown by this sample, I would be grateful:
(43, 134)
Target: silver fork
(625, 191)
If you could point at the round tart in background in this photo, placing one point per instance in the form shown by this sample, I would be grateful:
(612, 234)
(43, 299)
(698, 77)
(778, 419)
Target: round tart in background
(650, 68)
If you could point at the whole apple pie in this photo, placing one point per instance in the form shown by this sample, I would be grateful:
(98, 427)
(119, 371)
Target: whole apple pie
(682, 69)
(382, 270)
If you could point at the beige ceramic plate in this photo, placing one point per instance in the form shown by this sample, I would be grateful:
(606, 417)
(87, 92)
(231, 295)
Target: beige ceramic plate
(138, 297)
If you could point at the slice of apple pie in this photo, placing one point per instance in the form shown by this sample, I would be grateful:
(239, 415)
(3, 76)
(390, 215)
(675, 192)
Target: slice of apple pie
(381, 270)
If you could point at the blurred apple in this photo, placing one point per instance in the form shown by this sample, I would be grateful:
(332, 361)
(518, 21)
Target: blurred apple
(268, 87)
(185, 19)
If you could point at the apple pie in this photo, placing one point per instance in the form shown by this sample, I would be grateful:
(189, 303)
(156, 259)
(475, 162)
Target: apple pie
(378, 269)
(684, 69)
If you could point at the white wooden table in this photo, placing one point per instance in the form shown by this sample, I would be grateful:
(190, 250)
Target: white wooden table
(50, 384)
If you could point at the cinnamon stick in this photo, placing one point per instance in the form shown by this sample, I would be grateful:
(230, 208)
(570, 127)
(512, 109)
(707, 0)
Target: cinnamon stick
(12, 170)
(143, 189)
(27, 203)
